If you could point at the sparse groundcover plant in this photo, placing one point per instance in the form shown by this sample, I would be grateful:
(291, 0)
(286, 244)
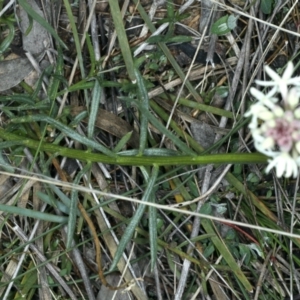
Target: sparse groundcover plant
(94, 193)
(275, 121)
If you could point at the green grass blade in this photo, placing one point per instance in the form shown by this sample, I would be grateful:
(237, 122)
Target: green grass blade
(123, 141)
(9, 38)
(190, 141)
(73, 207)
(56, 78)
(92, 55)
(208, 226)
(144, 102)
(203, 107)
(32, 214)
(153, 233)
(75, 36)
(122, 38)
(53, 202)
(66, 130)
(152, 222)
(24, 99)
(97, 92)
(148, 194)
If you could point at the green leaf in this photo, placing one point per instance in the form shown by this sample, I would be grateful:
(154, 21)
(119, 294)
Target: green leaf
(257, 249)
(253, 178)
(245, 253)
(222, 91)
(269, 193)
(266, 6)
(8, 39)
(123, 142)
(209, 250)
(224, 25)
(206, 209)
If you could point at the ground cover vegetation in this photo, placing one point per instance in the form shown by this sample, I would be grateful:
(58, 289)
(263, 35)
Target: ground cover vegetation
(149, 149)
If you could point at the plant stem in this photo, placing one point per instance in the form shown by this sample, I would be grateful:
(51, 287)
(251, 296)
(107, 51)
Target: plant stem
(234, 158)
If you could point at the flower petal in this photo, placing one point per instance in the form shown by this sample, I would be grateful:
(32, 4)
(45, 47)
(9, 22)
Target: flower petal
(284, 164)
(265, 83)
(288, 71)
(272, 74)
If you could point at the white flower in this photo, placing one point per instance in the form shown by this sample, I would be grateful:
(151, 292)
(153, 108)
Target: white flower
(276, 128)
(262, 97)
(258, 111)
(280, 83)
(285, 165)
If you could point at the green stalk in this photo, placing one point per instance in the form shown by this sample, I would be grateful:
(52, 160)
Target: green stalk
(234, 158)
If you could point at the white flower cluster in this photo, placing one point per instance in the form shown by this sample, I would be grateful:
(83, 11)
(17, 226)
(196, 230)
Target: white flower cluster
(275, 123)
